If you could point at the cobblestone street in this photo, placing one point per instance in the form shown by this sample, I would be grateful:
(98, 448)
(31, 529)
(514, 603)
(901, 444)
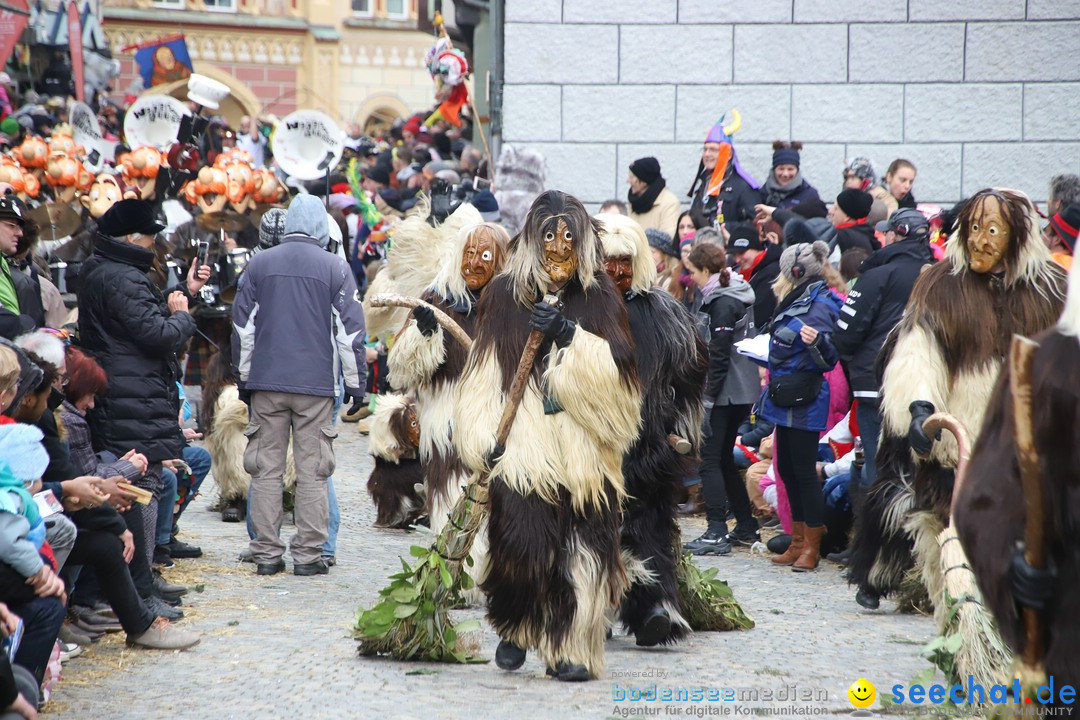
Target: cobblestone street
(280, 647)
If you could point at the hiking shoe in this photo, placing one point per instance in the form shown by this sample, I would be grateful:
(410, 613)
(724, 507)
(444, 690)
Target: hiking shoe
(179, 549)
(655, 629)
(740, 537)
(162, 635)
(270, 568)
(71, 634)
(319, 567)
(167, 589)
(711, 542)
(86, 618)
(157, 606)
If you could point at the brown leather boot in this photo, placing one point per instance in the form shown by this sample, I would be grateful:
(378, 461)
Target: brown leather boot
(811, 554)
(695, 501)
(798, 541)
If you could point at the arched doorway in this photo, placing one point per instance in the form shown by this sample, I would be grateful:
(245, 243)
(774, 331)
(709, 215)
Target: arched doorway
(241, 101)
(379, 112)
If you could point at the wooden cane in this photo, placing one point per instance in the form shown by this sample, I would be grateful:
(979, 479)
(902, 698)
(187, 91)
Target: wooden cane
(679, 444)
(521, 378)
(1021, 360)
(447, 323)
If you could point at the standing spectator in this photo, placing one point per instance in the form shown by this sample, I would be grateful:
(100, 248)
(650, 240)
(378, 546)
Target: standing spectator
(18, 293)
(665, 256)
(859, 174)
(296, 321)
(652, 205)
(871, 311)
(722, 190)
(731, 387)
(1064, 191)
(135, 334)
(1060, 235)
(801, 351)
(5, 95)
(895, 188)
(252, 141)
(759, 264)
(786, 186)
(848, 216)
(613, 207)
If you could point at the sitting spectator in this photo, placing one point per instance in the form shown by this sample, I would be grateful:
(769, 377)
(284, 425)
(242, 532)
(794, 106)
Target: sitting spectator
(28, 577)
(18, 689)
(167, 546)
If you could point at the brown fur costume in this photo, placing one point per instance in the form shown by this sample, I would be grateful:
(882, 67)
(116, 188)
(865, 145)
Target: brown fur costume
(554, 563)
(990, 516)
(672, 362)
(430, 367)
(393, 482)
(947, 350)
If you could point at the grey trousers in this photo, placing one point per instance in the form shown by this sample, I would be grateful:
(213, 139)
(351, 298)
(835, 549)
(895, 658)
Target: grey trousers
(151, 480)
(310, 418)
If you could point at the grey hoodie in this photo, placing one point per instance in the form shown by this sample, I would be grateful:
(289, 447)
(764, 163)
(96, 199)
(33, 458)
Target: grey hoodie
(742, 384)
(307, 216)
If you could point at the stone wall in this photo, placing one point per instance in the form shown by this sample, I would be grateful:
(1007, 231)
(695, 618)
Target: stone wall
(973, 92)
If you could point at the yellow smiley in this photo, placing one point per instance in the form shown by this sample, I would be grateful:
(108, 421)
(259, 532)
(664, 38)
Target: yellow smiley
(862, 693)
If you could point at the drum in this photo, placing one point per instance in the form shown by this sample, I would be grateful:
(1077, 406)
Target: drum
(235, 262)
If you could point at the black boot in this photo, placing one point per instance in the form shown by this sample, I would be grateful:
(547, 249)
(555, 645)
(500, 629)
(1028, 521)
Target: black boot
(569, 672)
(868, 599)
(655, 629)
(509, 656)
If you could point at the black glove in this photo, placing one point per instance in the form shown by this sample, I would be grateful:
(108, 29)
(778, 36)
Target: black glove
(496, 454)
(553, 324)
(357, 403)
(425, 320)
(920, 443)
(706, 424)
(1031, 586)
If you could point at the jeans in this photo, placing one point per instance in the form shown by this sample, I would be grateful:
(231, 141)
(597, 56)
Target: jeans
(42, 618)
(720, 479)
(868, 415)
(198, 459)
(166, 503)
(796, 459)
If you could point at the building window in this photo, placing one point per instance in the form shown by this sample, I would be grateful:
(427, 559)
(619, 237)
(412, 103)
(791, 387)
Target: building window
(169, 4)
(396, 9)
(220, 5)
(362, 8)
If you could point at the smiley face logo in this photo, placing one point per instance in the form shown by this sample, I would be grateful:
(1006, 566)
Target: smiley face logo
(862, 693)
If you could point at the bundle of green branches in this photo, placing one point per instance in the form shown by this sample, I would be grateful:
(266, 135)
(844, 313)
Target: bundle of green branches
(708, 603)
(411, 621)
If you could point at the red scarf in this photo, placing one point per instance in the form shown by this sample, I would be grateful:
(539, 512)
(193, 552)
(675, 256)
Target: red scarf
(853, 223)
(748, 272)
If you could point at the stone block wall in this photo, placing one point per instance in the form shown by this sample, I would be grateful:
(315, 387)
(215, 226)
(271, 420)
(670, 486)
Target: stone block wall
(974, 92)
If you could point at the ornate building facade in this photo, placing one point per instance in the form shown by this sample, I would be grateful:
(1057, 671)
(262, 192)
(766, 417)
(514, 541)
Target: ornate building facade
(356, 60)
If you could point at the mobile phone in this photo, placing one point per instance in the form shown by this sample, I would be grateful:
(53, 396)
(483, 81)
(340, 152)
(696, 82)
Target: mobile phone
(201, 254)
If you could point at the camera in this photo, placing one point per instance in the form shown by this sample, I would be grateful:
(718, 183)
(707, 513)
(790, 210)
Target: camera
(445, 198)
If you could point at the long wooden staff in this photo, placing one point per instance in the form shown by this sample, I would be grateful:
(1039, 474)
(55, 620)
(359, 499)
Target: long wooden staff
(1021, 360)
(447, 323)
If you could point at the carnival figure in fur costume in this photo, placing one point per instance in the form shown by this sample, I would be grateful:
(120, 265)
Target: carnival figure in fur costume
(991, 507)
(997, 279)
(554, 563)
(397, 475)
(425, 360)
(672, 361)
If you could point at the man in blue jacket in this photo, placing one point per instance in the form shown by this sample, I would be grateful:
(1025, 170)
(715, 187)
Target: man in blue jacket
(297, 325)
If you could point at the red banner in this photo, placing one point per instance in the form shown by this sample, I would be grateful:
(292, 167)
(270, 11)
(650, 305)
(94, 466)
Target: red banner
(12, 25)
(75, 45)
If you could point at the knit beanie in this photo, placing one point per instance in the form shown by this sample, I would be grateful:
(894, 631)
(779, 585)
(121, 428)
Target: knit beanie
(646, 169)
(811, 258)
(785, 156)
(662, 242)
(272, 227)
(856, 204)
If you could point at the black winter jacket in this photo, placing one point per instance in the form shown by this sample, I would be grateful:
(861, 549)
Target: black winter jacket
(857, 236)
(764, 276)
(125, 324)
(873, 307)
(735, 203)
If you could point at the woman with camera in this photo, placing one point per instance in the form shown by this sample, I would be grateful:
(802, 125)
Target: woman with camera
(801, 351)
